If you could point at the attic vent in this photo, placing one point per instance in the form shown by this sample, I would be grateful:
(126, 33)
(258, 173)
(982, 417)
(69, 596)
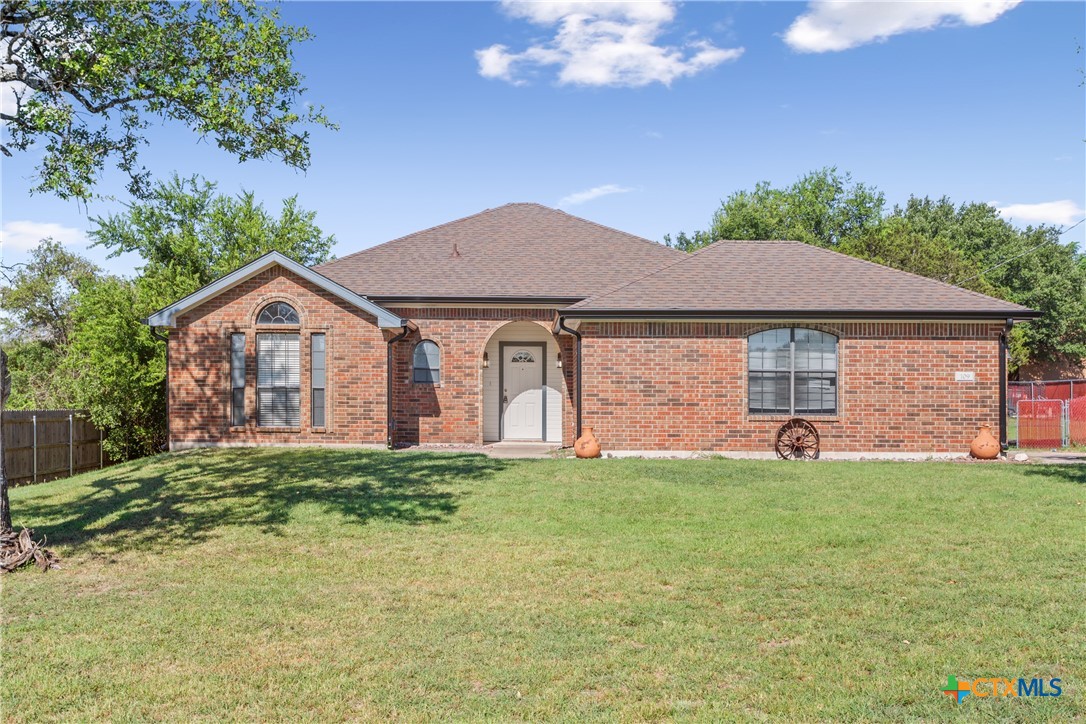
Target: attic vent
(455, 252)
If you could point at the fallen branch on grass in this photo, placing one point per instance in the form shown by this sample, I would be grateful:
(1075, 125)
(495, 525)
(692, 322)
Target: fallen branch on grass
(19, 549)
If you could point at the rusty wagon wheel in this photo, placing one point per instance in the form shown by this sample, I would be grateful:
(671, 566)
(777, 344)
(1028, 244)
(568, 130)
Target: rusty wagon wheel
(797, 439)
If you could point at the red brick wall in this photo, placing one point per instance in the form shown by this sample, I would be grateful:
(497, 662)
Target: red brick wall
(200, 366)
(683, 386)
(451, 413)
(680, 386)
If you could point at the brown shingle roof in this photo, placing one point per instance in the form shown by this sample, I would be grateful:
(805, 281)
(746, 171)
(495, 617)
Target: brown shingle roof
(513, 251)
(769, 277)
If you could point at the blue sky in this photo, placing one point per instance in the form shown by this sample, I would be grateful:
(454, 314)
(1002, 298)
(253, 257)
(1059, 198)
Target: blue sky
(643, 116)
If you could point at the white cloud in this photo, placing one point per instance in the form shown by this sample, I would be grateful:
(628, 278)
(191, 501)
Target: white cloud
(591, 194)
(10, 91)
(602, 44)
(830, 25)
(21, 236)
(1060, 213)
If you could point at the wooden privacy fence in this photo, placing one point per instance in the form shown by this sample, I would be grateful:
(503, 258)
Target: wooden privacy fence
(42, 445)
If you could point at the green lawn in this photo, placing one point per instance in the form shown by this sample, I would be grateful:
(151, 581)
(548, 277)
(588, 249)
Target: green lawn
(329, 584)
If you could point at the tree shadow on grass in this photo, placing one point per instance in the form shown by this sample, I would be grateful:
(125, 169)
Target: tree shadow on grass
(183, 498)
(1071, 473)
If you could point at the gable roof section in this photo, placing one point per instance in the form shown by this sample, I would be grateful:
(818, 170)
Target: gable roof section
(167, 316)
(789, 278)
(514, 252)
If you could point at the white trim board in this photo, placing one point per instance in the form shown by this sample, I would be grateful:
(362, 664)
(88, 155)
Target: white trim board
(167, 317)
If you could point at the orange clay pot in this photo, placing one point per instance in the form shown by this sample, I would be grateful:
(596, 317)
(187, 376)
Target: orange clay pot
(985, 446)
(587, 446)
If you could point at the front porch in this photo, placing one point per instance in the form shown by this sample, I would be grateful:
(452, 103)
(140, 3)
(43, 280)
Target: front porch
(523, 385)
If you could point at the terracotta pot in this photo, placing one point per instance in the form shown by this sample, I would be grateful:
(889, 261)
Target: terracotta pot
(985, 446)
(587, 446)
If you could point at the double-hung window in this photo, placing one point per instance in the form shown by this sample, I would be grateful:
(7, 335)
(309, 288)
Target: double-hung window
(317, 371)
(792, 371)
(237, 379)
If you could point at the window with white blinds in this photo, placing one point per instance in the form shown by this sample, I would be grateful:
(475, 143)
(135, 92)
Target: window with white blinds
(793, 371)
(318, 374)
(278, 377)
(237, 379)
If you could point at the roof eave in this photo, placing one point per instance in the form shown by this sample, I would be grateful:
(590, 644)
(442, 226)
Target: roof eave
(167, 316)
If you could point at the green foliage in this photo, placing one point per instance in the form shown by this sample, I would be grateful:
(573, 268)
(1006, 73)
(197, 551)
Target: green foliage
(969, 245)
(88, 76)
(895, 243)
(37, 300)
(1026, 266)
(188, 235)
(36, 380)
(119, 368)
(684, 242)
(37, 297)
(824, 208)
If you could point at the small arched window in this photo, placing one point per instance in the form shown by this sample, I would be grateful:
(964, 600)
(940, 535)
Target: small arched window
(522, 356)
(792, 371)
(277, 313)
(427, 363)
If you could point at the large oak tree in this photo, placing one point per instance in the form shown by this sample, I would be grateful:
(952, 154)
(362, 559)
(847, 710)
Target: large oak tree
(82, 79)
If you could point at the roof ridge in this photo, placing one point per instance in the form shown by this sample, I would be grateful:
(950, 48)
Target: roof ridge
(914, 275)
(687, 256)
(759, 241)
(413, 233)
(609, 228)
(489, 211)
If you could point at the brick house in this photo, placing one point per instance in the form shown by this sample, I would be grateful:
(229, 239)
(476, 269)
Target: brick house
(524, 323)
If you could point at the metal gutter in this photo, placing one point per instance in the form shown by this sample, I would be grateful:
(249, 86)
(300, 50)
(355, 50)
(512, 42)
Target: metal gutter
(562, 326)
(539, 301)
(828, 314)
(1004, 345)
(389, 422)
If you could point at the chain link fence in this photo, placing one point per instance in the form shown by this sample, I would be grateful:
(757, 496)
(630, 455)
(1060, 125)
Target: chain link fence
(1046, 414)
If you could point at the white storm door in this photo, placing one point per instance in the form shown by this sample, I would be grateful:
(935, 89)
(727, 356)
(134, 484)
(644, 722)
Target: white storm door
(522, 393)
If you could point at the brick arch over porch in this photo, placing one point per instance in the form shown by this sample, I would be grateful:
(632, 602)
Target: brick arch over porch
(556, 403)
(453, 412)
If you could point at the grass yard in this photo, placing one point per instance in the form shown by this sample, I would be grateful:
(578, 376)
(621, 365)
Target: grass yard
(330, 584)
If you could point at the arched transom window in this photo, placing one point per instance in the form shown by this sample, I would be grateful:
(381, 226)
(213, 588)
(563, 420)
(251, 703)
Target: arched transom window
(792, 371)
(427, 363)
(277, 313)
(523, 356)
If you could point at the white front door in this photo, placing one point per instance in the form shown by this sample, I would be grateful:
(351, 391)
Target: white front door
(522, 393)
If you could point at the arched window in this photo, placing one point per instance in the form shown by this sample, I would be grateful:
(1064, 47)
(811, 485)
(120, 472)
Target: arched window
(277, 313)
(792, 371)
(522, 356)
(278, 368)
(427, 363)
